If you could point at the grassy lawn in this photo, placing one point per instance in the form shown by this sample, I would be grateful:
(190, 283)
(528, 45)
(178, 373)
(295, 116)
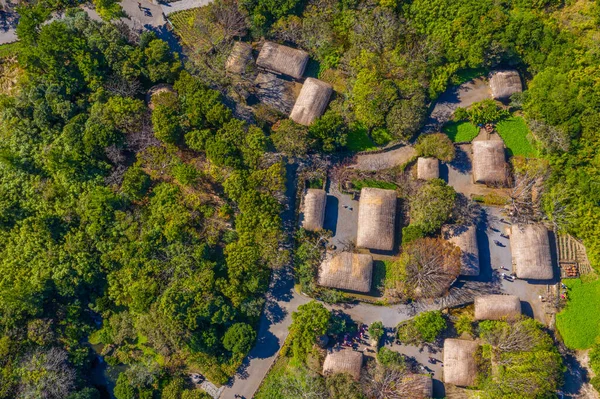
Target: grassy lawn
(460, 132)
(359, 140)
(359, 184)
(514, 132)
(579, 322)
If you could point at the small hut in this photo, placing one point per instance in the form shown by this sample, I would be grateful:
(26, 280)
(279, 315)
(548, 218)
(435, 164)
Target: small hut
(347, 271)
(428, 168)
(314, 209)
(504, 84)
(376, 219)
(275, 92)
(416, 386)
(465, 237)
(489, 163)
(158, 89)
(497, 307)
(282, 59)
(343, 361)
(311, 102)
(530, 248)
(238, 59)
(460, 366)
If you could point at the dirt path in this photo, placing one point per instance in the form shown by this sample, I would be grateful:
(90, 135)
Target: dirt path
(385, 160)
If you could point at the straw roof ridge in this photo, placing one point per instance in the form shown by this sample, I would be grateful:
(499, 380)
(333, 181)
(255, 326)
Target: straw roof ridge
(489, 162)
(240, 56)
(347, 271)
(282, 59)
(376, 219)
(460, 365)
(428, 168)
(311, 102)
(343, 361)
(505, 83)
(530, 249)
(497, 307)
(465, 237)
(314, 209)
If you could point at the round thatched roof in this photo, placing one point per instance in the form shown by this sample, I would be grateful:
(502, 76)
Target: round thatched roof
(420, 386)
(311, 102)
(376, 219)
(497, 307)
(460, 366)
(428, 168)
(530, 248)
(240, 56)
(465, 237)
(343, 361)
(157, 89)
(347, 271)
(504, 84)
(314, 209)
(282, 59)
(489, 162)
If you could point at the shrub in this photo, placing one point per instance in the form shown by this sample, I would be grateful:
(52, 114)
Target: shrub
(135, 183)
(430, 325)
(408, 333)
(432, 205)
(239, 338)
(291, 138)
(464, 325)
(376, 330)
(381, 136)
(436, 145)
(388, 357)
(486, 111)
(411, 233)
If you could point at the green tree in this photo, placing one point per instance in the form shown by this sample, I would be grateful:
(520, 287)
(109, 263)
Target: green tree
(166, 123)
(432, 205)
(329, 132)
(161, 63)
(239, 338)
(309, 322)
(291, 138)
(376, 330)
(430, 325)
(436, 145)
(136, 183)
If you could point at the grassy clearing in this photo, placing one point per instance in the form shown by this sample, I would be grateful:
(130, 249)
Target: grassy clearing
(360, 184)
(359, 140)
(514, 132)
(461, 132)
(183, 22)
(579, 322)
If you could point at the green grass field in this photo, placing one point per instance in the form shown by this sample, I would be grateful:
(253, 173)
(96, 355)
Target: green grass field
(359, 140)
(461, 132)
(579, 322)
(514, 132)
(360, 184)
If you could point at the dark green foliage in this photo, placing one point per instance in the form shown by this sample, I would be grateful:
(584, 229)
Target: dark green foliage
(329, 132)
(291, 138)
(239, 338)
(390, 358)
(309, 322)
(432, 205)
(425, 327)
(136, 183)
(411, 233)
(436, 145)
(165, 121)
(376, 330)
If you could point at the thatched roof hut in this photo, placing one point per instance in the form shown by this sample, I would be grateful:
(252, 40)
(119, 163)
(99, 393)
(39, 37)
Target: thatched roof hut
(530, 248)
(428, 168)
(343, 361)
(311, 102)
(238, 59)
(275, 92)
(157, 89)
(376, 219)
(465, 237)
(347, 271)
(460, 366)
(504, 84)
(489, 163)
(419, 386)
(497, 307)
(314, 209)
(282, 59)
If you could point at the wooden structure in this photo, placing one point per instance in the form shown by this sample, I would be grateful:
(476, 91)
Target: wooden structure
(572, 257)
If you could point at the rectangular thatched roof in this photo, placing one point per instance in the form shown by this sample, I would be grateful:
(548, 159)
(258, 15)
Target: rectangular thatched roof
(314, 209)
(497, 307)
(489, 162)
(282, 59)
(428, 168)
(504, 84)
(460, 366)
(420, 386)
(275, 92)
(347, 271)
(465, 237)
(311, 102)
(376, 219)
(343, 361)
(530, 248)
(238, 59)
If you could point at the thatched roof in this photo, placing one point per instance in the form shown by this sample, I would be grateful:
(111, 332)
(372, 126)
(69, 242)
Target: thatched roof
(276, 92)
(465, 237)
(347, 271)
(489, 163)
(530, 248)
(314, 209)
(311, 102)
(157, 89)
(282, 59)
(419, 385)
(239, 57)
(497, 307)
(343, 361)
(504, 84)
(376, 219)
(460, 366)
(428, 168)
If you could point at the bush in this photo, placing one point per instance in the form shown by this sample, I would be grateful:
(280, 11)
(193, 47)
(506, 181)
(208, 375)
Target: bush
(436, 145)
(381, 136)
(430, 325)
(388, 357)
(408, 333)
(486, 111)
(291, 138)
(411, 233)
(376, 330)
(239, 338)
(165, 121)
(135, 183)
(464, 325)
(432, 205)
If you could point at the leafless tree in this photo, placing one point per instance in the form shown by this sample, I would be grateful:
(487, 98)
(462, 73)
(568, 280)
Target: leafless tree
(381, 382)
(47, 375)
(122, 87)
(551, 137)
(231, 18)
(514, 337)
(526, 196)
(303, 384)
(142, 138)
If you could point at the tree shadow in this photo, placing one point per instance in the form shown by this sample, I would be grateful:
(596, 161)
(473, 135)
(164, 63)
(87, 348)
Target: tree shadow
(439, 389)
(527, 309)
(461, 161)
(331, 214)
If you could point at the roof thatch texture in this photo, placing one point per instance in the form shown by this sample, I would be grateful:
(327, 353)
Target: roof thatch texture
(314, 209)
(311, 102)
(157, 89)
(465, 237)
(282, 59)
(504, 84)
(489, 163)
(460, 366)
(420, 386)
(276, 92)
(530, 248)
(497, 307)
(376, 219)
(239, 57)
(347, 271)
(428, 168)
(343, 361)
